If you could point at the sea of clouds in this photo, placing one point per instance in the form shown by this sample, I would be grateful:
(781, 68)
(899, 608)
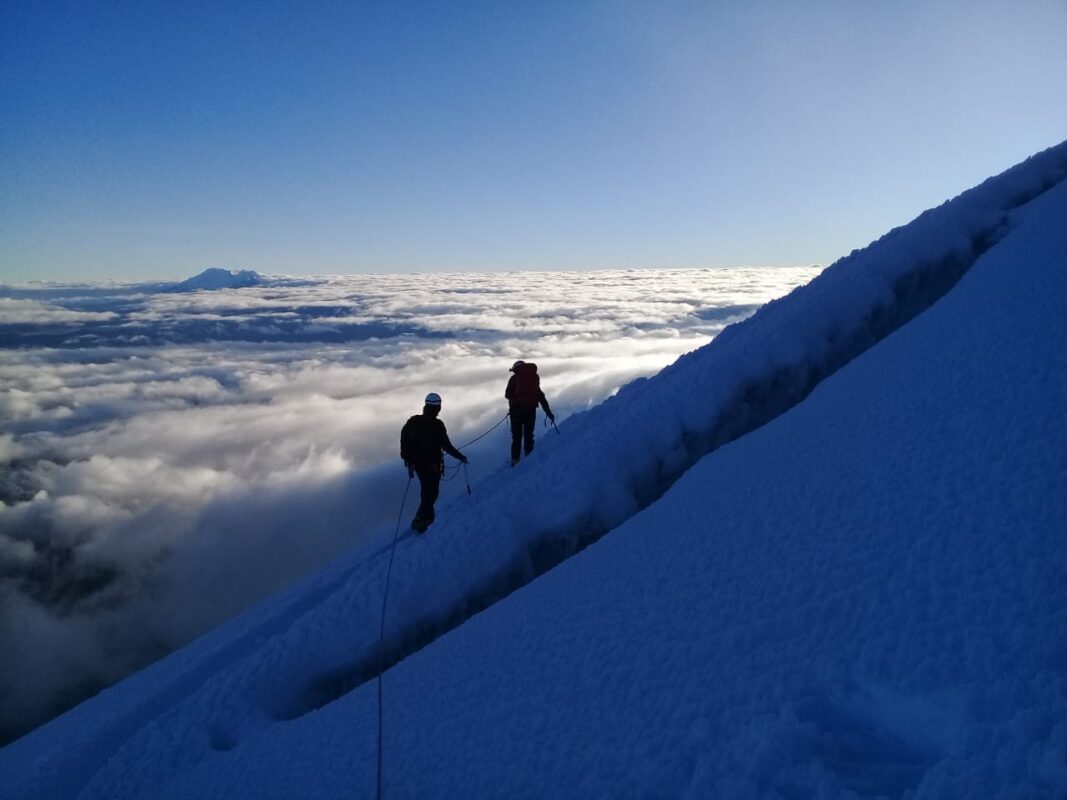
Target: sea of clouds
(167, 458)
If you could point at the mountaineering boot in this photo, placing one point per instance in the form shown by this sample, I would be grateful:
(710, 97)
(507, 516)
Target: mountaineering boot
(418, 525)
(514, 462)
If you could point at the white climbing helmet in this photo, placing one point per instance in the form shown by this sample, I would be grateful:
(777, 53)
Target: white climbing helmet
(433, 399)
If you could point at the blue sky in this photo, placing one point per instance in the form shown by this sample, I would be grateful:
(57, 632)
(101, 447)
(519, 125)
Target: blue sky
(152, 140)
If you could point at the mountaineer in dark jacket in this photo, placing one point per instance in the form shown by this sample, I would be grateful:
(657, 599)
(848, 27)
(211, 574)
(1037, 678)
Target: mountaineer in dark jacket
(422, 439)
(524, 395)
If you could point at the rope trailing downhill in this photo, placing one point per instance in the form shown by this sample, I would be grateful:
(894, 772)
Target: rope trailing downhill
(381, 631)
(385, 597)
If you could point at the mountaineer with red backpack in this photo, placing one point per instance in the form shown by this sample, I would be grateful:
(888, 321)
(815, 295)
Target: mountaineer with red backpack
(524, 395)
(422, 439)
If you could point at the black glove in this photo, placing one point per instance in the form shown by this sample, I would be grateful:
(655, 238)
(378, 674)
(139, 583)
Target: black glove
(551, 417)
(464, 460)
(411, 471)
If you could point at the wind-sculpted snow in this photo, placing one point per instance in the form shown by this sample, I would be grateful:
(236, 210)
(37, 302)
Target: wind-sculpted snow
(866, 598)
(619, 457)
(775, 624)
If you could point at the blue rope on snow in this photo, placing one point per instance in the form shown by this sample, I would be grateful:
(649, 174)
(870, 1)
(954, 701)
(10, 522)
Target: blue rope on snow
(385, 594)
(381, 631)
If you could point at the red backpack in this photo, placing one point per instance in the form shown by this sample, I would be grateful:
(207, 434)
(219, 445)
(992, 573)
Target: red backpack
(526, 390)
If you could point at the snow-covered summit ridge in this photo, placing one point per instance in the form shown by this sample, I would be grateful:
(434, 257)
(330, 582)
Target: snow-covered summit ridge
(215, 278)
(307, 647)
(620, 456)
(865, 598)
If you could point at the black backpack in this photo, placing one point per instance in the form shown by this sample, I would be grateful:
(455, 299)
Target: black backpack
(419, 443)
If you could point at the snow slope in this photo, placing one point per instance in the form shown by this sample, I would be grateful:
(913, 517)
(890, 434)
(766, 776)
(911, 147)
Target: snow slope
(863, 596)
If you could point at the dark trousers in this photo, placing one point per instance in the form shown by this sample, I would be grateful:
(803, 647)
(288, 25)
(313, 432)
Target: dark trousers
(430, 487)
(523, 421)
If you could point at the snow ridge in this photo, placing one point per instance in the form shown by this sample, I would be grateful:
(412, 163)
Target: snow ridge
(896, 278)
(316, 642)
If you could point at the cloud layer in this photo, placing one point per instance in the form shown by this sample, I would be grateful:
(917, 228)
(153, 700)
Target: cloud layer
(167, 459)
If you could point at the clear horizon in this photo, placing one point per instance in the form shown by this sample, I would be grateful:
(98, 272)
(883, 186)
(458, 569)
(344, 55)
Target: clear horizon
(153, 142)
(166, 279)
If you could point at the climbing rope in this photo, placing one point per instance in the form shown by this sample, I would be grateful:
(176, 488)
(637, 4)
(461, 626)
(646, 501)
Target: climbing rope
(476, 438)
(454, 470)
(451, 471)
(381, 630)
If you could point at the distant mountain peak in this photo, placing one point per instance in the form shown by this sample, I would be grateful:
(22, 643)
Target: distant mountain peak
(218, 278)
